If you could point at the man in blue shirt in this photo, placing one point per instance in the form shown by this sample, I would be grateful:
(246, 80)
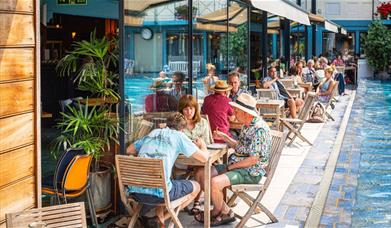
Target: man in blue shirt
(166, 144)
(271, 82)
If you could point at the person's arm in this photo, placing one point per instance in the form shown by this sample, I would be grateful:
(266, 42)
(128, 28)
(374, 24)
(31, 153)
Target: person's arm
(267, 84)
(131, 150)
(196, 149)
(220, 135)
(245, 163)
(134, 148)
(329, 90)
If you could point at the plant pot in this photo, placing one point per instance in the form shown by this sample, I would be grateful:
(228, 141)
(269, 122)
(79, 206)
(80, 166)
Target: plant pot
(101, 182)
(257, 83)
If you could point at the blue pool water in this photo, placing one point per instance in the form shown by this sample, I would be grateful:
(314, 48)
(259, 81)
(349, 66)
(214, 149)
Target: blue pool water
(373, 202)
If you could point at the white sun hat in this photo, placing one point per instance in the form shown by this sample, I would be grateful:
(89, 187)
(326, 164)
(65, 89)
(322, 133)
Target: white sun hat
(246, 103)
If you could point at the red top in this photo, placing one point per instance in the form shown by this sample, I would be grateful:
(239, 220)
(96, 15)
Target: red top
(218, 109)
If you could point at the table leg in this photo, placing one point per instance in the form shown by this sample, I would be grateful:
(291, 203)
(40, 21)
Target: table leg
(207, 194)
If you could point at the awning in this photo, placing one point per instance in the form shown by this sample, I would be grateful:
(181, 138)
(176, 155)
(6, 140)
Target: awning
(316, 18)
(141, 5)
(236, 14)
(283, 9)
(215, 27)
(133, 21)
(330, 26)
(343, 31)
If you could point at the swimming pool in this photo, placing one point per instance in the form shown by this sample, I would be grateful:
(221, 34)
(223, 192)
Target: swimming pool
(373, 198)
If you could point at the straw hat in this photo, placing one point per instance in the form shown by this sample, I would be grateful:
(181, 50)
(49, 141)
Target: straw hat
(221, 86)
(246, 103)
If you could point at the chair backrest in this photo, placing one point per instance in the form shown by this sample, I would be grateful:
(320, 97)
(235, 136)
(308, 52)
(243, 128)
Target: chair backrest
(66, 215)
(266, 93)
(333, 94)
(77, 173)
(288, 83)
(63, 163)
(210, 129)
(178, 66)
(308, 103)
(140, 172)
(278, 142)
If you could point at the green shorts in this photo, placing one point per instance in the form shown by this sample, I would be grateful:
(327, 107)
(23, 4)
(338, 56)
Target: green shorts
(238, 176)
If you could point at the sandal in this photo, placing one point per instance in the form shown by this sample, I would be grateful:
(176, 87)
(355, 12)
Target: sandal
(223, 219)
(199, 217)
(196, 208)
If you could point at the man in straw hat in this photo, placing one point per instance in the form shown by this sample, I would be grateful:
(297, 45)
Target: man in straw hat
(217, 107)
(245, 166)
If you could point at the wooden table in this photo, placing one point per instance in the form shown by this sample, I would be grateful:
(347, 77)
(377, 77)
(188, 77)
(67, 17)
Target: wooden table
(214, 155)
(295, 92)
(97, 101)
(275, 105)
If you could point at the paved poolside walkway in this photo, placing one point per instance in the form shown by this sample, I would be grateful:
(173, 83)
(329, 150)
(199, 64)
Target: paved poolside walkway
(298, 175)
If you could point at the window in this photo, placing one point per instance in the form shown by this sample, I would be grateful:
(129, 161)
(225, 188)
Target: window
(333, 9)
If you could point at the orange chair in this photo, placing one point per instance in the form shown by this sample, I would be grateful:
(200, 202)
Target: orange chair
(76, 182)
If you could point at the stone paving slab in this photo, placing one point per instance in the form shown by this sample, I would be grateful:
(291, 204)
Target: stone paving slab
(297, 177)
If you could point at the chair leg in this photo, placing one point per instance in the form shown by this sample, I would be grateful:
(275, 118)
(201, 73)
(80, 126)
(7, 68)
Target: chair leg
(91, 206)
(249, 201)
(133, 220)
(174, 219)
(328, 115)
(231, 200)
(268, 213)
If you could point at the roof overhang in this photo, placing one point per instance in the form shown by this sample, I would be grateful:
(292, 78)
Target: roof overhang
(330, 26)
(343, 31)
(283, 9)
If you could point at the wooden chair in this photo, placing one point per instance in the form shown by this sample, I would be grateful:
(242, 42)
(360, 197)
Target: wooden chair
(278, 141)
(74, 183)
(67, 215)
(145, 172)
(294, 125)
(288, 83)
(331, 100)
(266, 93)
(210, 129)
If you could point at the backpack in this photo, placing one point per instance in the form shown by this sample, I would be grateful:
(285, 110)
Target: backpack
(317, 114)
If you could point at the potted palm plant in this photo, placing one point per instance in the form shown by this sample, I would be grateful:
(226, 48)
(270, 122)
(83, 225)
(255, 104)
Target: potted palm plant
(93, 64)
(257, 75)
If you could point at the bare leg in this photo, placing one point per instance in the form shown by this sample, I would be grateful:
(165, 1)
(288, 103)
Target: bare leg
(218, 184)
(292, 108)
(199, 177)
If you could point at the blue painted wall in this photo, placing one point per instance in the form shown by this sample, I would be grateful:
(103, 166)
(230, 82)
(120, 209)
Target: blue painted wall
(94, 8)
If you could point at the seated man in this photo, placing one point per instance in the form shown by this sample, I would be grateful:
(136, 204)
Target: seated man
(217, 107)
(245, 165)
(234, 81)
(178, 89)
(166, 144)
(271, 82)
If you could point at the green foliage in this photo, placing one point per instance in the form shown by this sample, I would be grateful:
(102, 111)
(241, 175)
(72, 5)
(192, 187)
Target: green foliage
(377, 46)
(91, 61)
(237, 45)
(91, 129)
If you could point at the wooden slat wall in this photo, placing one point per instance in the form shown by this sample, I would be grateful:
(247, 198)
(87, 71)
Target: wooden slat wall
(19, 126)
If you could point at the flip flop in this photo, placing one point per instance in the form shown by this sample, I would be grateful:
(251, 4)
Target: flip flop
(196, 208)
(200, 216)
(223, 219)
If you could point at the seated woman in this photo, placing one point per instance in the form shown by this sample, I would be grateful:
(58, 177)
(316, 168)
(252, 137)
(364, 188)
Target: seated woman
(210, 79)
(325, 89)
(197, 127)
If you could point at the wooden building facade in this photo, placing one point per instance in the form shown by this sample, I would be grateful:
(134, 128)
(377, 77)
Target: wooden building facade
(19, 106)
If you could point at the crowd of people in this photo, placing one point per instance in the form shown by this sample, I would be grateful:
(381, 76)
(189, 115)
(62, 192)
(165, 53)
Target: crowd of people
(191, 127)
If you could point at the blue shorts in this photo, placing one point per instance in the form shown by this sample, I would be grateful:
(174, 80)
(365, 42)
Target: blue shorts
(179, 189)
